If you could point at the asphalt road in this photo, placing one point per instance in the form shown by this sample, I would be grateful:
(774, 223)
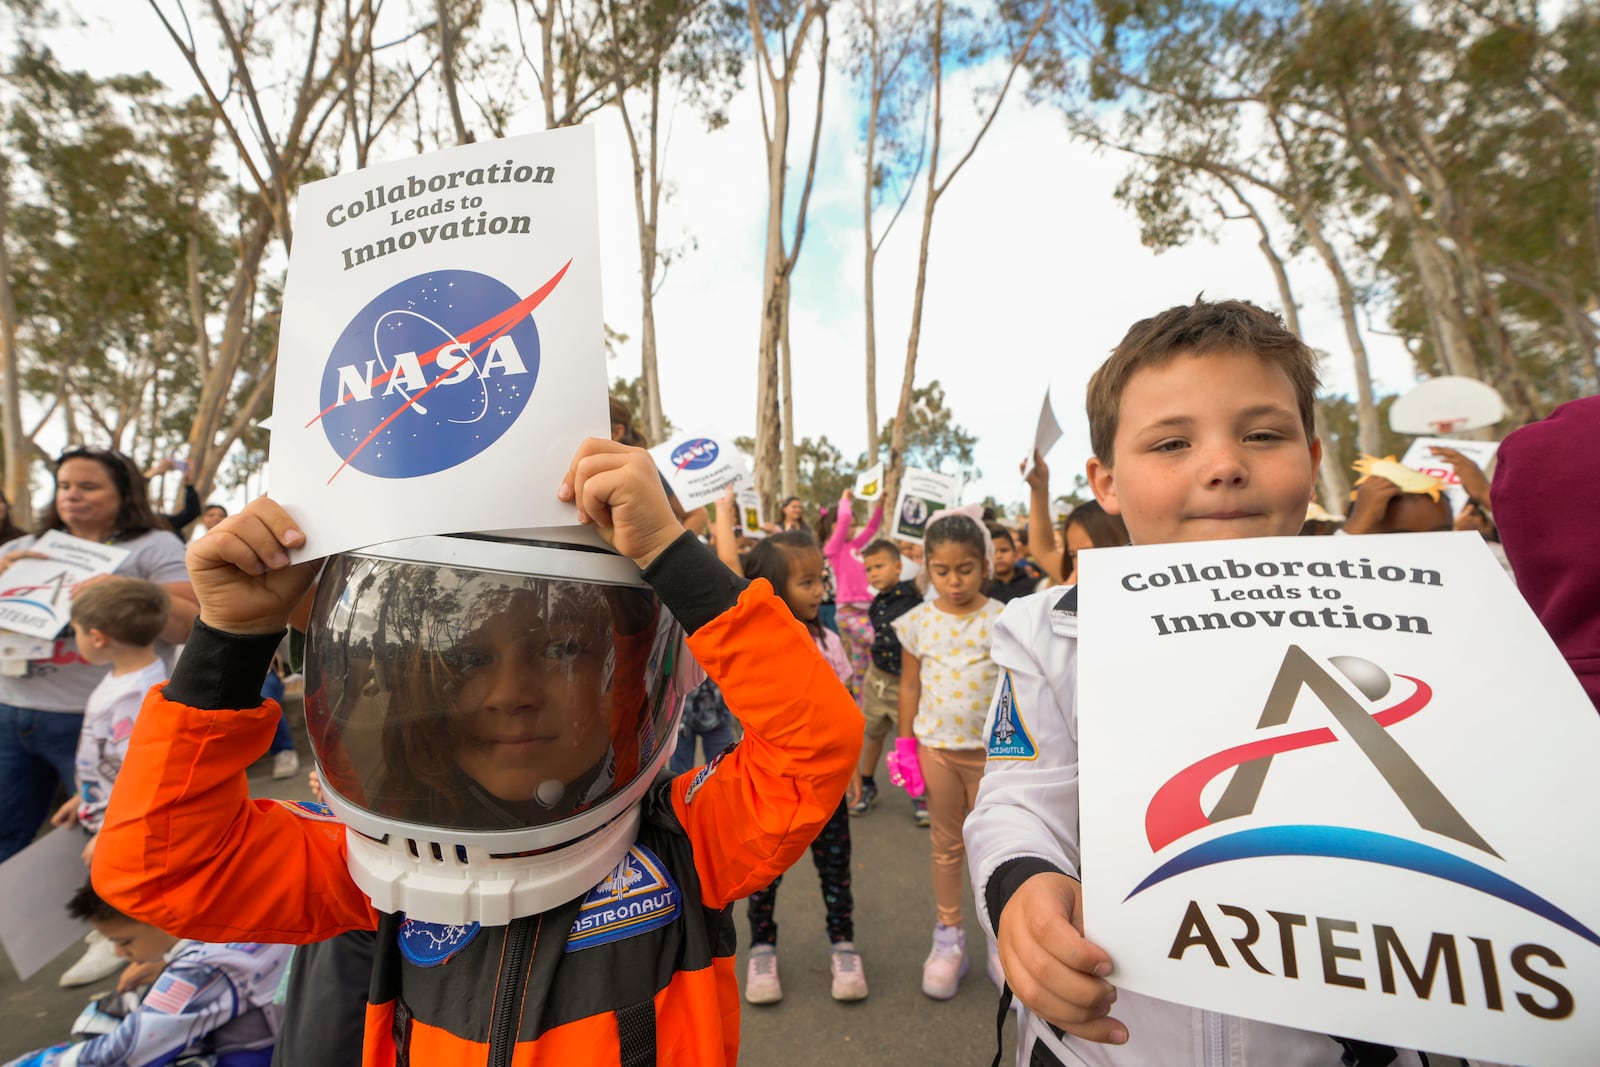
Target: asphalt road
(896, 1026)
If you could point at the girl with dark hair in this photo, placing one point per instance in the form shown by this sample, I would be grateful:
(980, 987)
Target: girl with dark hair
(946, 678)
(792, 563)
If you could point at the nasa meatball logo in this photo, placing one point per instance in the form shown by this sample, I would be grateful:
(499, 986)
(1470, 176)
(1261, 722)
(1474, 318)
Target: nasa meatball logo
(695, 455)
(430, 373)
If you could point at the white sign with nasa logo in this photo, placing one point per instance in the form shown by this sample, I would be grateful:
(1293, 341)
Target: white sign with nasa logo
(1330, 782)
(442, 353)
(921, 494)
(700, 467)
(1420, 457)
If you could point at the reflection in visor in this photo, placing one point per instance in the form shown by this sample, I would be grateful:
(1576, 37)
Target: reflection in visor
(484, 701)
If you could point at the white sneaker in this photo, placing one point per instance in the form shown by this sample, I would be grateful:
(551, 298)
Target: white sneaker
(101, 961)
(849, 980)
(285, 764)
(761, 984)
(946, 964)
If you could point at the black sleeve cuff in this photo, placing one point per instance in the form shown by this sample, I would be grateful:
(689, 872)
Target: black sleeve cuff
(220, 671)
(1007, 879)
(693, 583)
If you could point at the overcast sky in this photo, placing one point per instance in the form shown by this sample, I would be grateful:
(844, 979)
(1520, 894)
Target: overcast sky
(1035, 271)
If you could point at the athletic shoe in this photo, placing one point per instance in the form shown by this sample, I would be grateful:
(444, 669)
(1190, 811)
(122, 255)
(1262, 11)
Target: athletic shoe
(849, 980)
(761, 984)
(946, 964)
(101, 961)
(286, 764)
(869, 797)
(919, 813)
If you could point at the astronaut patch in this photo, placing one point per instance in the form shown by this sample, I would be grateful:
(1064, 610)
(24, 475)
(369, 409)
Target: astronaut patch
(1010, 738)
(430, 944)
(636, 897)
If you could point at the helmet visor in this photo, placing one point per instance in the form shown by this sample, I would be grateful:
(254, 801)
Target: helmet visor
(477, 700)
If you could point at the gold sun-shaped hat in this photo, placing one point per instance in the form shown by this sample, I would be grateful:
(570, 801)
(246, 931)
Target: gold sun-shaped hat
(1409, 481)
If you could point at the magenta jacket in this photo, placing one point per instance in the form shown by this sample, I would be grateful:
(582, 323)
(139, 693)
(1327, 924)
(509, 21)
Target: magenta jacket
(844, 556)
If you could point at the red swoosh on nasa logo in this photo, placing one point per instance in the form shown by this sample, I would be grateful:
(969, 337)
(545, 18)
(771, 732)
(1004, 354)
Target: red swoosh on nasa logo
(1175, 809)
(488, 332)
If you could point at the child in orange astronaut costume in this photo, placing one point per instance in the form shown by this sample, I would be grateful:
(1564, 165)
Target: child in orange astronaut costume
(490, 951)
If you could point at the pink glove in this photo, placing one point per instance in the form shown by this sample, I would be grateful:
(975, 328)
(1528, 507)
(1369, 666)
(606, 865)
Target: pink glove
(905, 769)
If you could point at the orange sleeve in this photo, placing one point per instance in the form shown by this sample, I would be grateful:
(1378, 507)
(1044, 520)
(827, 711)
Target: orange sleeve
(751, 814)
(185, 849)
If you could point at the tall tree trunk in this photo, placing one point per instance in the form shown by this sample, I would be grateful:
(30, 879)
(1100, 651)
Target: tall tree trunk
(936, 188)
(869, 267)
(791, 462)
(647, 209)
(775, 459)
(447, 70)
(19, 453)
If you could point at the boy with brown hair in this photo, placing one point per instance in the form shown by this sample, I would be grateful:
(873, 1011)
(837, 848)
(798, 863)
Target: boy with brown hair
(1201, 424)
(117, 622)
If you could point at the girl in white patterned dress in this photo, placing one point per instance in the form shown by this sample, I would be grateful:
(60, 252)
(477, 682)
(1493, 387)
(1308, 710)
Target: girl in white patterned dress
(946, 679)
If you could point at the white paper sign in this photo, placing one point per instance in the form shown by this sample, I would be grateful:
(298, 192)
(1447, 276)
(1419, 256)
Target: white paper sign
(36, 600)
(36, 884)
(1419, 457)
(1341, 784)
(749, 502)
(869, 483)
(700, 466)
(921, 494)
(442, 352)
(1045, 435)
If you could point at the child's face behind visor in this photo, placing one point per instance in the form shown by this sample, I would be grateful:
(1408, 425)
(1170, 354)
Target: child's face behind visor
(528, 701)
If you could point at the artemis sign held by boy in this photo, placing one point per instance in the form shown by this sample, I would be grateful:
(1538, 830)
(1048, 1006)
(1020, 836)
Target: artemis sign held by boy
(1344, 826)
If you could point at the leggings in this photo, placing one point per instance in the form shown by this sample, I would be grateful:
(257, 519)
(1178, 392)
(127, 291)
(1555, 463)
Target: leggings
(952, 775)
(855, 630)
(831, 853)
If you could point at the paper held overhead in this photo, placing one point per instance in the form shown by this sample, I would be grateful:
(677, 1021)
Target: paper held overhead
(1045, 434)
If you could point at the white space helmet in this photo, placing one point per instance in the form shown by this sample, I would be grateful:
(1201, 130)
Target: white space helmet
(486, 714)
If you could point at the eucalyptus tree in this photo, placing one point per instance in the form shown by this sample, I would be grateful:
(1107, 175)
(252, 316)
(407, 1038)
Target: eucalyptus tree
(663, 52)
(786, 37)
(889, 64)
(969, 44)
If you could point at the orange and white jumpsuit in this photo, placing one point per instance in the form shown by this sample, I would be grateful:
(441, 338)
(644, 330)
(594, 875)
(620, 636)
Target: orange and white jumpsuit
(185, 848)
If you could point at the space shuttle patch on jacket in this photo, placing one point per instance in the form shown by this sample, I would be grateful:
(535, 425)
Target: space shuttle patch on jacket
(1010, 738)
(638, 896)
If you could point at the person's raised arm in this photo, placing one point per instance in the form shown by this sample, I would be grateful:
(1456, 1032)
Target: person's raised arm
(870, 530)
(724, 538)
(1041, 532)
(841, 527)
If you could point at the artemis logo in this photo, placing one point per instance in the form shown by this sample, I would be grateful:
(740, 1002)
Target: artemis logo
(430, 373)
(1175, 812)
(694, 455)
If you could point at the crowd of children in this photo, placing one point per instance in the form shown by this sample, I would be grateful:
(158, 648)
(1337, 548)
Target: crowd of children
(542, 711)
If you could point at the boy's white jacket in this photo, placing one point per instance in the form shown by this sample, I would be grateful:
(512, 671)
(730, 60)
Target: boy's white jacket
(1027, 806)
